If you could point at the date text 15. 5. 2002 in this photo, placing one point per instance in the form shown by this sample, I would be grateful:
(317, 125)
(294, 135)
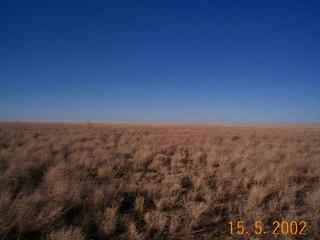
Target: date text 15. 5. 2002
(282, 227)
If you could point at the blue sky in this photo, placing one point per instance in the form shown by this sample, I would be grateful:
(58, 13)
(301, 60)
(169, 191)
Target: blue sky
(202, 61)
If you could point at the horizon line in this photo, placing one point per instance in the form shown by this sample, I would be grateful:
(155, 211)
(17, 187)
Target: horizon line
(158, 122)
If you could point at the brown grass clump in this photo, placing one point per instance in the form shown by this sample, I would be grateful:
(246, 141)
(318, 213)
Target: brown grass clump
(66, 234)
(133, 181)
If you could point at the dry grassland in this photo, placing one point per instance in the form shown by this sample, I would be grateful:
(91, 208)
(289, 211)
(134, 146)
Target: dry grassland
(76, 181)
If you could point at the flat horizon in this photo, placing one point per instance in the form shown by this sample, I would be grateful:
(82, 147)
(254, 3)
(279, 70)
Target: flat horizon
(164, 123)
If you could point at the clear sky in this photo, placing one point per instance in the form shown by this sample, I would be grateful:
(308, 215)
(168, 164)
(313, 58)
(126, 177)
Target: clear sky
(157, 60)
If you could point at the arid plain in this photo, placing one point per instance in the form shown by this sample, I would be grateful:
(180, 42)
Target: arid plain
(75, 181)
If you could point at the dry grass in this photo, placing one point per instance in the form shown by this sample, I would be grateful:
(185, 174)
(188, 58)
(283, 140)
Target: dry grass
(135, 181)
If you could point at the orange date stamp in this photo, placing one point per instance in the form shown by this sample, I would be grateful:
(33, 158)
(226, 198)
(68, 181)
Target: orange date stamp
(281, 227)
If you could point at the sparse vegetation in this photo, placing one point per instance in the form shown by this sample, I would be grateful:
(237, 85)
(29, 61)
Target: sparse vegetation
(111, 181)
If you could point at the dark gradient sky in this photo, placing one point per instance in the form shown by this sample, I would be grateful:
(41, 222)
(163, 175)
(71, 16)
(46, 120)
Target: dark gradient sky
(218, 60)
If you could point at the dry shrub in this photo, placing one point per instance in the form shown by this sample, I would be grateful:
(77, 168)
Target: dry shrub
(109, 221)
(139, 204)
(156, 223)
(35, 213)
(6, 217)
(122, 181)
(133, 232)
(66, 234)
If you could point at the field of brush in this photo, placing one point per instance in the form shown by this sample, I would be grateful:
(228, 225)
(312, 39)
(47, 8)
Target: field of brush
(73, 181)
